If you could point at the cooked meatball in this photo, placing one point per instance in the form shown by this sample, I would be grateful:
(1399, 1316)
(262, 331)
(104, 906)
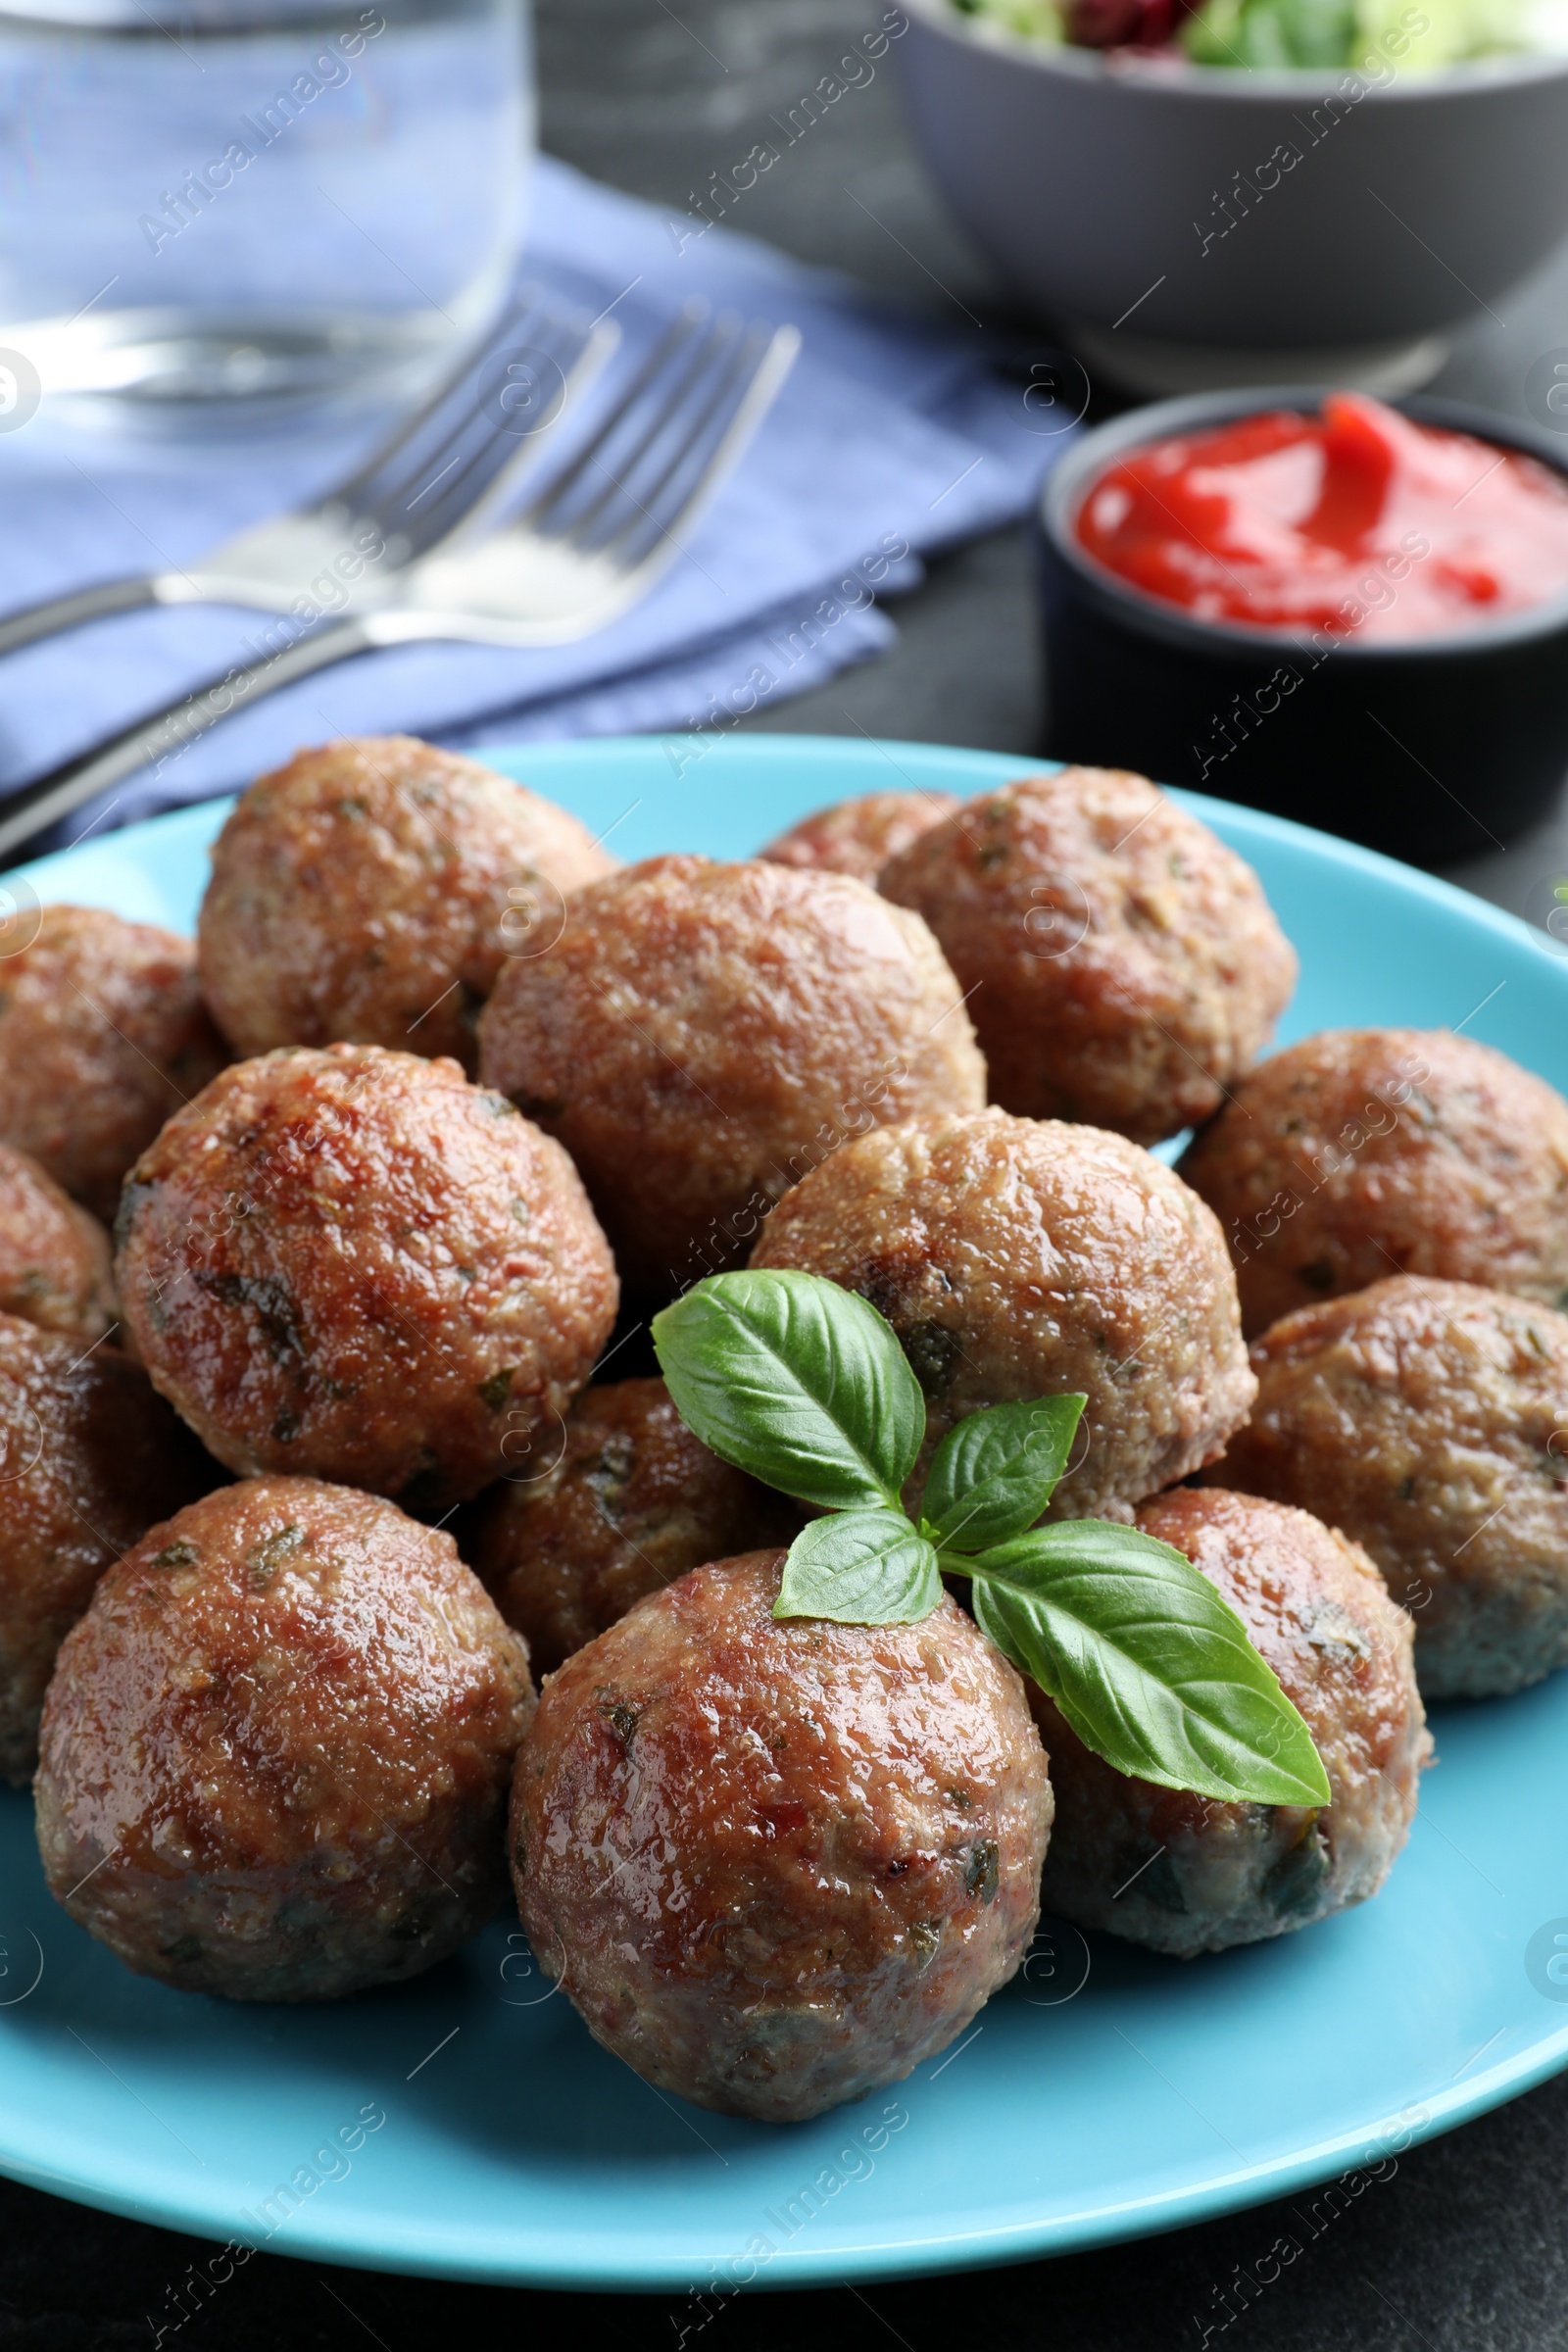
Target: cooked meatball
(277, 1748)
(353, 1264)
(1364, 1152)
(1429, 1420)
(1022, 1258)
(54, 1256)
(857, 837)
(702, 1033)
(778, 1864)
(631, 1500)
(371, 889)
(1186, 1874)
(1125, 965)
(103, 1033)
(89, 1459)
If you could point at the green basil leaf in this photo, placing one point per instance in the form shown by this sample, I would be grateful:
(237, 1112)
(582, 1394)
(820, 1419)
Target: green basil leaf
(797, 1381)
(1148, 1661)
(993, 1476)
(861, 1568)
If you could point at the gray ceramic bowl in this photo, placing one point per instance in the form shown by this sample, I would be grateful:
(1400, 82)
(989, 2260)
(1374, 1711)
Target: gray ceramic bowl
(1152, 210)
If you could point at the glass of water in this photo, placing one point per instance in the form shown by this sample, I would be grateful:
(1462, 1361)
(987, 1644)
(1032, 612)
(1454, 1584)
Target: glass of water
(227, 207)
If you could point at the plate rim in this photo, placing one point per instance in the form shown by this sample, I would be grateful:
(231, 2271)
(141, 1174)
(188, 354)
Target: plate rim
(429, 2251)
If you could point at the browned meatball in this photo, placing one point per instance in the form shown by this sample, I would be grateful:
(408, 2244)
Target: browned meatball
(371, 889)
(353, 1263)
(54, 1256)
(1430, 1421)
(103, 1033)
(89, 1458)
(1186, 1874)
(857, 837)
(778, 1864)
(277, 1748)
(1125, 965)
(701, 1035)
(1022, 1258)
(632, 1500)
(1364, 1152)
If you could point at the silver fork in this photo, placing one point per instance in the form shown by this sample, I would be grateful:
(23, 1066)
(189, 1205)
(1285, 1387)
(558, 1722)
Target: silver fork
(588, 546)
(437, 477)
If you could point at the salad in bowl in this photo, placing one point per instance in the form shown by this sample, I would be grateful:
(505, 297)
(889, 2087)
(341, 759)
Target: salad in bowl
(1199, 193)
(1270, 35)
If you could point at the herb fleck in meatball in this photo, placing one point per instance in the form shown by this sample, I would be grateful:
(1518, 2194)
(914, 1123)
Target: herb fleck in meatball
(1188, 1875)
(353, 1263)
(1429, 1420)
(275, 1751)
(1125, 965)
(103, 1033)
(778, 1864)
(857, 837)
(1017, 1257)
(371, 889)
(1364, 1152)
(89, 1459)
(632, 1502)
(701, 1035)
(54, 1256)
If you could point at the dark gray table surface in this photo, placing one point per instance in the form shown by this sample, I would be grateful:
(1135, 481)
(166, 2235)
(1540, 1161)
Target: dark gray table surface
(1465, 2248)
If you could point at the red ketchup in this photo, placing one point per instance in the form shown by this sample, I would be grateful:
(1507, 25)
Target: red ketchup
(1355, 523)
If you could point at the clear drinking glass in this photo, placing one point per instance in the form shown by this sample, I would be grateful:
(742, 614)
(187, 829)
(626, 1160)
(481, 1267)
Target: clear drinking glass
(224, 207)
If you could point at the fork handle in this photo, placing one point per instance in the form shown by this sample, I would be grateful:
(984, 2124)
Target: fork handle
(165, 733)
(60, 612)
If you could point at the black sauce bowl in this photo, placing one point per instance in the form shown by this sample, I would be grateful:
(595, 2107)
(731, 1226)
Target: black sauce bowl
(1431, 749)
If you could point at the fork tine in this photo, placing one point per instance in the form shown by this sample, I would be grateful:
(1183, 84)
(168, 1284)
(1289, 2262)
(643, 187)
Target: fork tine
(462, 429)
(685, 324)
(353, 488)
(716, 440)
(757, 396)
(471, 472)
(652, 434)
(735, 366)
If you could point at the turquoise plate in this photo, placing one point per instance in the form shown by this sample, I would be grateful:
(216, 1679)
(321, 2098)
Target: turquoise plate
(467, 2125)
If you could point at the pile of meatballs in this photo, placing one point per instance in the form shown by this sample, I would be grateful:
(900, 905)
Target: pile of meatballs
(350, 1431)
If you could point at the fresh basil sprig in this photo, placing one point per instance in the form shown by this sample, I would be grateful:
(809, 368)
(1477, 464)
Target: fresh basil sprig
(804, 1385)
(798, 1382)
(861, 1568)
(993, 1476)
